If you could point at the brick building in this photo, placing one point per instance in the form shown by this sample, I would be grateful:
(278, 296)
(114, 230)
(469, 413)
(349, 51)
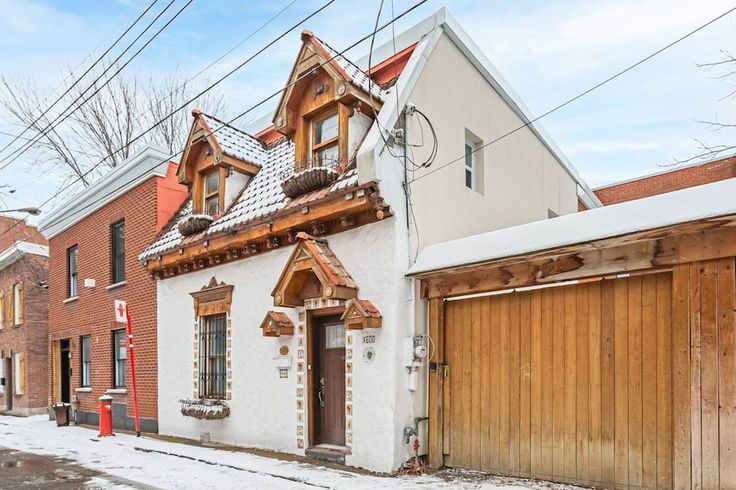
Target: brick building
(23, 318)
(668, 181)
(94, 240)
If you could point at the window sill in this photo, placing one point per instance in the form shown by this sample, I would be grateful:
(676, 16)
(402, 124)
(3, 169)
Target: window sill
(84, 389)
(117, 391)
(116, 285)
(70, 300)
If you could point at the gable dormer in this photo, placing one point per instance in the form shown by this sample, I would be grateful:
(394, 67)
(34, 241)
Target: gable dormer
(326, 108)
(217, 164)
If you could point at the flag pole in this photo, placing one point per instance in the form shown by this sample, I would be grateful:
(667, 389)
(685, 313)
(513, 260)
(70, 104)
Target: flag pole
(131, 349)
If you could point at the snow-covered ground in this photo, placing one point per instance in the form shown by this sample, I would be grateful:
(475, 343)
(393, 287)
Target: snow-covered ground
(155, 463)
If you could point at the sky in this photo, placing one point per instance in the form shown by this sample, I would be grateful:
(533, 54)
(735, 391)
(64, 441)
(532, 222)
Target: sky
(548, 51)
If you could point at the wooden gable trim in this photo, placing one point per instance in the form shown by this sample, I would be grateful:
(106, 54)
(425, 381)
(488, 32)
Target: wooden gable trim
(213, 298)
(305, 259)
(276, 324)
(360, 314)
(651, 250)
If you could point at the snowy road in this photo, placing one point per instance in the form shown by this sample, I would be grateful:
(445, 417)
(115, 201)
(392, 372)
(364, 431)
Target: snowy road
(152, 463)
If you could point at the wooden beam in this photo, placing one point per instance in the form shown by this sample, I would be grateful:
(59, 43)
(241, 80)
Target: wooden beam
(436, 384)
(555, 266)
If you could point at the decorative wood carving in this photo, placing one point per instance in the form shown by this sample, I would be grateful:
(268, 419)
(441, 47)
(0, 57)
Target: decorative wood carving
(360, 314)
(276, 324)
(313, 271)
(213, 298)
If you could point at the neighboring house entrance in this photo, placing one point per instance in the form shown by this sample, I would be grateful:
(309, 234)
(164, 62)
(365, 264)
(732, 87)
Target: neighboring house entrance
(329, 380)
(570, 383)
(65, 371)
(9, 382)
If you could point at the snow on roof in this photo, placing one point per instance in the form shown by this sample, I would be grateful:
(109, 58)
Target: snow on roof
(235, 142)
(357, 76)
(262, 197)
(687, 205)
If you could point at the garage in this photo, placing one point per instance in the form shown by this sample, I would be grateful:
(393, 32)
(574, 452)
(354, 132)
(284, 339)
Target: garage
(528, 374)
(597, 348)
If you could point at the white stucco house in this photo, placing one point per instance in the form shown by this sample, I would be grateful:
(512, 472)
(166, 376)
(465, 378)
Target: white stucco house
(285, 319)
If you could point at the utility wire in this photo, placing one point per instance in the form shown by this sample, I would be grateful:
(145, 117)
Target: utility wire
(79, 79)
(211, 86)
(582, 94)
(56, 121)
(247, 111)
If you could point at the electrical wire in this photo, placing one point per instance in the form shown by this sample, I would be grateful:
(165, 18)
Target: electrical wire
(65, 115)
(247, 111)
(580, 95)
(79, 79)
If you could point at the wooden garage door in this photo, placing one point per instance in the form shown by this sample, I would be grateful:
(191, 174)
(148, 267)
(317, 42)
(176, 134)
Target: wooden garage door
(572, 383)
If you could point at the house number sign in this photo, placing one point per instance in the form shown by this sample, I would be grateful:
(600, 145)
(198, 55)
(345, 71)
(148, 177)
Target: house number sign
(369, 339)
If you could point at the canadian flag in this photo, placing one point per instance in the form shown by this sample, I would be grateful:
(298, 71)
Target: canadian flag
(121, 311)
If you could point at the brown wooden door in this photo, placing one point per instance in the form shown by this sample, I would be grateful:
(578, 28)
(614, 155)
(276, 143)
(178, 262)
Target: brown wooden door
(330, 381)
(572, 383)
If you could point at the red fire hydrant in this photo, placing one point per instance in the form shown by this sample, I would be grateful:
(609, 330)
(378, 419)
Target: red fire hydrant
(105, 416)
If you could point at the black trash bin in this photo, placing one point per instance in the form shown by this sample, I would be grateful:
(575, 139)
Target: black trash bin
(61, 411)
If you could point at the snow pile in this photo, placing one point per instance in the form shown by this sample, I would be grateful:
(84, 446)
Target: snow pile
(693, 204)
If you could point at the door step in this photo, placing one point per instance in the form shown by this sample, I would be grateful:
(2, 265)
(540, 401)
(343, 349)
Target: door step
(327, 452)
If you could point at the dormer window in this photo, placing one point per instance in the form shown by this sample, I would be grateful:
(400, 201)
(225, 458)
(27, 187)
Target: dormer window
(211, 187)
(325, 132)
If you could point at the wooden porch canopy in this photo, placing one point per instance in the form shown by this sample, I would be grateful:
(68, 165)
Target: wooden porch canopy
(313, 271)
(622, 317)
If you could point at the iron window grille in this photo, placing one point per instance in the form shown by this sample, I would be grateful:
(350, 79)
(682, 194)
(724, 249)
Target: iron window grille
(86, 361)
(71, 262)
(212, 356)
(120, 355)
(117, 239)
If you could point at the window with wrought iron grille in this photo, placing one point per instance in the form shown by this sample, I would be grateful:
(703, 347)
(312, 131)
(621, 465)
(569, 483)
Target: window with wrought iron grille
(213, 356)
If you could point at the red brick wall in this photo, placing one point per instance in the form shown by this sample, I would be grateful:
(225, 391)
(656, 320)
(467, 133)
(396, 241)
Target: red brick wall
(92, 312)
(13, 230)
(29, 337)
(669, 181)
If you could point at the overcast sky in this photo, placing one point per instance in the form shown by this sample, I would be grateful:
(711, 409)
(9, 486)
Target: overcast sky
(548, 51)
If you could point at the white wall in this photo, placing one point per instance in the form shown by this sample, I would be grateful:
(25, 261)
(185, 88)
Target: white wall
(522, 178)
(263, 406)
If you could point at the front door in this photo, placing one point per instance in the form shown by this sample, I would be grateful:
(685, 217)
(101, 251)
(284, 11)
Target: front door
(329, 380)
(65, 370)
(9, 382)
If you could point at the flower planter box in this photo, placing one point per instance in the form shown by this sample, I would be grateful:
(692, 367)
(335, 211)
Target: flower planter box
(204, 409)
(308, 180)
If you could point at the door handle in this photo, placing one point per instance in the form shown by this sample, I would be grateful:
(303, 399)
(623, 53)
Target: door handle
(321, 392)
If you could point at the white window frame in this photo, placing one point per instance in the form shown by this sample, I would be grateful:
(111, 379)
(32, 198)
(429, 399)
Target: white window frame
(472, 167)
(17, 306)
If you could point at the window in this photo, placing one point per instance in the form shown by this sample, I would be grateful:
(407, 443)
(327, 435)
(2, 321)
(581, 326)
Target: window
(71, 264)
(470, 171)
(2, 313)
(473, 162)
(19, 372)
(120, 354)
(212, 193)
(212, 355)
(2, 375)
(86, 348)
(325, 132)
(17, 304)
(117, 239)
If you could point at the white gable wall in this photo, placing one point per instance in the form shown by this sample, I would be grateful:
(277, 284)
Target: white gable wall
(522, 179)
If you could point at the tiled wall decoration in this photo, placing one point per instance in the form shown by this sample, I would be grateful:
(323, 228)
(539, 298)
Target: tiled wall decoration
(301, 378)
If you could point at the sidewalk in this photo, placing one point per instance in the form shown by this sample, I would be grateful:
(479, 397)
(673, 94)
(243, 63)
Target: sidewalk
(154, 463)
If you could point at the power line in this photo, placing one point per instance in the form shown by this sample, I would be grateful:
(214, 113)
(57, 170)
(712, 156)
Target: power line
(250, 109)
(580, 95)
(79, 79)
(56, 121)
(211, 86)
